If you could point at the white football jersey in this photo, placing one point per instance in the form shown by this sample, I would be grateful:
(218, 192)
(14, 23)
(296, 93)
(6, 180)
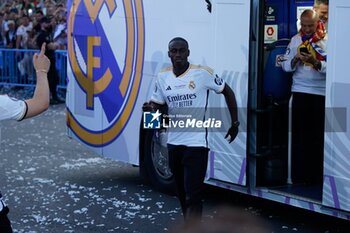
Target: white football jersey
(12, 108)
(187, 98)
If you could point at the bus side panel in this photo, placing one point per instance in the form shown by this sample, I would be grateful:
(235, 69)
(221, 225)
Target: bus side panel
(106, 51)
(75, 97)
(336, 189)
(132, 41)
(227, 162)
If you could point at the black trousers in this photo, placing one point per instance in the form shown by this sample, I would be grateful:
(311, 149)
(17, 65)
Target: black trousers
(188, 165)
(308, 116)
(5, 224)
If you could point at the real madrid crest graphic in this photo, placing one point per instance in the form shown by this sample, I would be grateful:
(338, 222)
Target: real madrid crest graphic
(192, 85)
(106, 59)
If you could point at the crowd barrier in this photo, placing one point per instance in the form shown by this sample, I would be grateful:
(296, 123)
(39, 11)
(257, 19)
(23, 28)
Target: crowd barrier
(16, 67)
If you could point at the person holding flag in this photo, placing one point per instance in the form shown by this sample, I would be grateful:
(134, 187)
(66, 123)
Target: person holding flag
(306, 57)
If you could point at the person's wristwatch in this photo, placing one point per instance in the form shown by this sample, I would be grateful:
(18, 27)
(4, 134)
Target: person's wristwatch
(235, 124)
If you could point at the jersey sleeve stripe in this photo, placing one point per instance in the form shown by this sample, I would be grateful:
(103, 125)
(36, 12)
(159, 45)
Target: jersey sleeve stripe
(206, 68)
(24, 113)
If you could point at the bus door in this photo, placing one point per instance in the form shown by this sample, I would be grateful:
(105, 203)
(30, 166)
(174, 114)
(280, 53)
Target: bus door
(336, 183)
(275, 147)
(231, 25)
(272, 117)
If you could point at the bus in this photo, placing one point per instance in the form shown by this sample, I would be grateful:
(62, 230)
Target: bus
(116, 49)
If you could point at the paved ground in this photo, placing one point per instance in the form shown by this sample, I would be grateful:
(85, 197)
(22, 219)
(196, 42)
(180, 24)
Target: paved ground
(53, 184)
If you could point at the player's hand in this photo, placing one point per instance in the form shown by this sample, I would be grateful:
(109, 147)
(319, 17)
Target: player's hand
(147, 107)
(231, 134)
(40, 61)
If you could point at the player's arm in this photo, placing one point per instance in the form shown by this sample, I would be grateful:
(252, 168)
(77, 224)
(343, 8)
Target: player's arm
(218, 85)
(40, 101)
(157, 101)
(232, 106)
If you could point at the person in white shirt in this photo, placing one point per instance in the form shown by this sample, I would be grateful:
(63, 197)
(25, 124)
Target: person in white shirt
(22, 42)
(306, 57)
(22, 32)
(184, 89)
(11, 108)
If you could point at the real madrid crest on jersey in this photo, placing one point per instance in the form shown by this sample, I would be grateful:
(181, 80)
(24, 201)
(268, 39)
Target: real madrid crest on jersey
(192, 85)
(103, 72)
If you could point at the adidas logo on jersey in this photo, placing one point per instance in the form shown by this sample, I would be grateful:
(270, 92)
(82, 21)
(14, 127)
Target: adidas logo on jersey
(168, 88)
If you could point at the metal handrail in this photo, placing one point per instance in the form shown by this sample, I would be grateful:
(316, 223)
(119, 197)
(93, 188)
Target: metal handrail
(16, 67)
